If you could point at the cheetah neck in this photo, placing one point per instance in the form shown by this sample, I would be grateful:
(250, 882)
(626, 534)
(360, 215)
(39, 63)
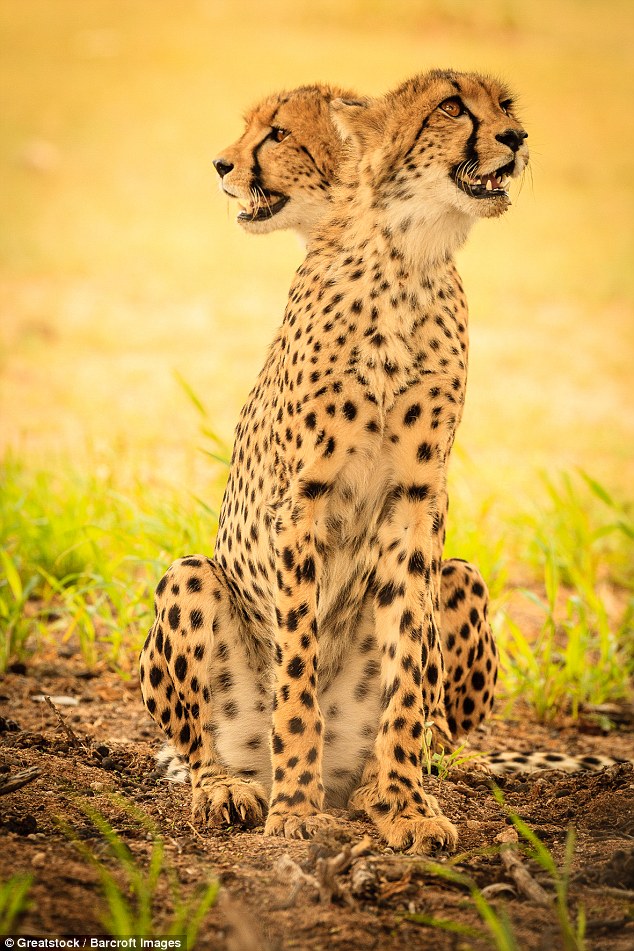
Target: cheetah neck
(371, 313)
(395, 290)
(425, 232)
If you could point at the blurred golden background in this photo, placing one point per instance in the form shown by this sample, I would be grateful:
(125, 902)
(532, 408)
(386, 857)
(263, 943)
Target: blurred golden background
(121, 264)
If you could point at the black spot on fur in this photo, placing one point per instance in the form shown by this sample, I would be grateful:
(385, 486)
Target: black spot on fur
(412, 414)
(156, 676)
(295, 667)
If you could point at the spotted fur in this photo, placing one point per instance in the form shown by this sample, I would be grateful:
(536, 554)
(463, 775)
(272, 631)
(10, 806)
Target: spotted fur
(316, 620)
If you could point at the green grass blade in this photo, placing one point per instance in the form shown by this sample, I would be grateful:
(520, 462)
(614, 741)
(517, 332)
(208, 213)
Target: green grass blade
(12, 576)
(13, 901)
(191, 394)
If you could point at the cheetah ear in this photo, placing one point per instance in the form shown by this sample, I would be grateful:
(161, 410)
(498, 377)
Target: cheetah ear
(352, 118)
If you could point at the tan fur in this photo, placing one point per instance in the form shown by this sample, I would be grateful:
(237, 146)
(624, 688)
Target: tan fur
(327, 559)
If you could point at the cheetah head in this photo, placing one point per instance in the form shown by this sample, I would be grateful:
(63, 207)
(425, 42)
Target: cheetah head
(441, 149)
(281, 168)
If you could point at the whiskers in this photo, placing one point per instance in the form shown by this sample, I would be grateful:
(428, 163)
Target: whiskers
(259, 201)
(527, 170)
(466, 171)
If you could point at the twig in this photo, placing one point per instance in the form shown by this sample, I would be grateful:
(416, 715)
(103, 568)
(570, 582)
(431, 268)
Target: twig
(324, 881)
(626, 894)
(328, 869)
(74, 739)
(195, 831)
(608, 924)
(17, 780)
(526, 884)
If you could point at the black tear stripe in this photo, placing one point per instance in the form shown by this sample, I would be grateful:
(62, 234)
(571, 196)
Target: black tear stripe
(471, 151)
(256, 167)
(427, 118)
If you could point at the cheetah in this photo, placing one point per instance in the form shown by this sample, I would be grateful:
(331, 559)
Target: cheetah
(298, 668)
(282, 170)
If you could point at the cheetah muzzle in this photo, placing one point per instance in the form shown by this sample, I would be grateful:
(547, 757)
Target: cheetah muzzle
(485, 186)
(263, 204)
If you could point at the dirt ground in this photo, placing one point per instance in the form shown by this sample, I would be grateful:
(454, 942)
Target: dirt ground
(265, 903)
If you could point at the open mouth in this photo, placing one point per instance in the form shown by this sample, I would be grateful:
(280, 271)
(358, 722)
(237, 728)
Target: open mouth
(492, 185)
(261, 206)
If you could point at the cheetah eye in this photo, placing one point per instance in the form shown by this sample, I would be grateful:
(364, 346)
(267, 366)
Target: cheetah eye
(278, 135)
(506, 106)
(452, 107)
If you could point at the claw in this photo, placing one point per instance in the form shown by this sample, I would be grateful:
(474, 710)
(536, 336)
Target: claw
(226, 815)
(243, 813)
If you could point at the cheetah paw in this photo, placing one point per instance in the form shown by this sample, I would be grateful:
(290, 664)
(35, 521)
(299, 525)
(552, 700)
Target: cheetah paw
(293, 826)
(417, 827)
(229, 802)
(419, 836)
(364, 797)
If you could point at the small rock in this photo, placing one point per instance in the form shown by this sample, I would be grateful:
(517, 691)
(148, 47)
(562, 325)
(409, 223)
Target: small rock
(17, 667)
(67, 650)
(8, 726)
(98, 787)
(102, 750)
(108, 763)
(25, 825)
(38, 859)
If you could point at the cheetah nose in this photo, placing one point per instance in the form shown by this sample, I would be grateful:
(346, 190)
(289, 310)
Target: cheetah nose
(222, 166)
(513, 138)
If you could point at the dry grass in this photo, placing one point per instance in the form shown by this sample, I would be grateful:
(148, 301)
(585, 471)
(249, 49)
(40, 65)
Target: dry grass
(121, 263)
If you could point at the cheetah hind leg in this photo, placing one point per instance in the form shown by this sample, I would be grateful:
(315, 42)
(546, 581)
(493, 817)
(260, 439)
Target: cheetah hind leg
(179, 662)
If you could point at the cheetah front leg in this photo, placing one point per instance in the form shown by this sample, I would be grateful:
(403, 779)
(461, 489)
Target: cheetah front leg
(187, 665)
(392, 791)
(297, 797)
